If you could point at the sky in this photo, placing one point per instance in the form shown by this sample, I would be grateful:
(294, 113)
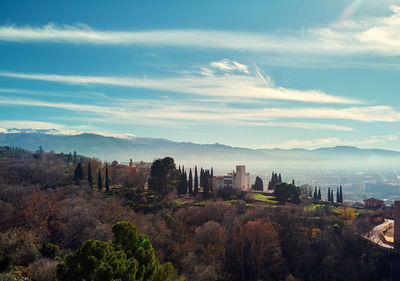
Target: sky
(257, 74)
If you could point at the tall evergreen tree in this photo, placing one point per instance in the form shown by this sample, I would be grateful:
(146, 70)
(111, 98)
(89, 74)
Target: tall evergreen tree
(201, 177)
(99, 182)
(107, 183)
(258, 185)
(337, 195)
(164, 177)
(329, 194)
(90, 179)
(341, 195)
(332, 196)
(196, 181)
(319, 193)
(78, 173)
(75, 159)
(315, 194)
(206, 186)
(190, 182)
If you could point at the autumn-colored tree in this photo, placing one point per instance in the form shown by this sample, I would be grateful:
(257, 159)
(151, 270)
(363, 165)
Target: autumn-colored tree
(257, 251)
(39, 213)
(346, 213)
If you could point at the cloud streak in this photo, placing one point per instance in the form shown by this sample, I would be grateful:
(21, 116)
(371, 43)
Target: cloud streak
(227, 86)
(379, 35)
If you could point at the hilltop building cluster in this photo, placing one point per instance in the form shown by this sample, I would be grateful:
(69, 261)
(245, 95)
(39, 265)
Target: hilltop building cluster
(239, 179)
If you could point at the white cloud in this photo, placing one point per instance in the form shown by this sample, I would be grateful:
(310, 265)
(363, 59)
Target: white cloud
(227, 86)
(379, 35)
(154, 111)
(229, 65)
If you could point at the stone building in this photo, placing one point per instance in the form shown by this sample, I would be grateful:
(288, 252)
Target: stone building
(239, 179)
(374, 203)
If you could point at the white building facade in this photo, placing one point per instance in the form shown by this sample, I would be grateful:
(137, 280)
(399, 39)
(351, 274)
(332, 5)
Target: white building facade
(239, 180)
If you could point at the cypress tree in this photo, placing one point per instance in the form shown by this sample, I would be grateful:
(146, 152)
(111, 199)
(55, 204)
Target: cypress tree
(90, 179)
(78, 173)
(190, 183)
(206, 187)
(315, 193)
(201, 177)
(332, 196)
(319, 193)
(99, 182)
(107, 184)
(75, 159)
(211, 182)
(196, 181)
(337, 195)
(329, 194)
(340, 195)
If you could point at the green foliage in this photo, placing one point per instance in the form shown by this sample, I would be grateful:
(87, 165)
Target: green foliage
(196, 181)
(5, 260)
(78, 173)
(287, 193)
(258, 185)
(99, 182)
(50, 250)
(129, 257)
(164, 177)
(275, 179)
(107, 181)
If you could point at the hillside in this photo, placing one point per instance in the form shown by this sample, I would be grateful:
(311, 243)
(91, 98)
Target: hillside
(221, 156)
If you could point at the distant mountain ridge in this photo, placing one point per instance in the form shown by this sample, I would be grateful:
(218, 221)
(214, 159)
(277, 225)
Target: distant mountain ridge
(220, 156)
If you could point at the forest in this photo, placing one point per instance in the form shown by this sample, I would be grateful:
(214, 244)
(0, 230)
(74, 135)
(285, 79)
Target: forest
(70, 217)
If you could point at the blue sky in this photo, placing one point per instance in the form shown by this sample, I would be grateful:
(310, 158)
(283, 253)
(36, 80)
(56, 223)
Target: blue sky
(260, 74)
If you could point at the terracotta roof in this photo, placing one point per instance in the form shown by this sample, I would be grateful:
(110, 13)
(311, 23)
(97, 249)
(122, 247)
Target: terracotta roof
(373, 199)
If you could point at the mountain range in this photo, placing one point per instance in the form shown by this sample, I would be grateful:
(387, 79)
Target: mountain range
(221, 157)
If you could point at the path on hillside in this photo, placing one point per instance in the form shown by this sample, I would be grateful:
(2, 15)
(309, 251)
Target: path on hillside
(373, 235)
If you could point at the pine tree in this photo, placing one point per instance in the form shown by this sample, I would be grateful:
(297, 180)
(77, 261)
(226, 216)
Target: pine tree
(341, 195)
(196, 181)
(90, 179)
(319, 193)
(99, 182)
(329, 194)
(190, 183)
(107, 183)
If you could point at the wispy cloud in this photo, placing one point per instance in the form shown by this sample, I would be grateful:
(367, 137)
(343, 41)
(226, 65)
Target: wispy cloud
(377, 35)
(153, 111)
(228, 86)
